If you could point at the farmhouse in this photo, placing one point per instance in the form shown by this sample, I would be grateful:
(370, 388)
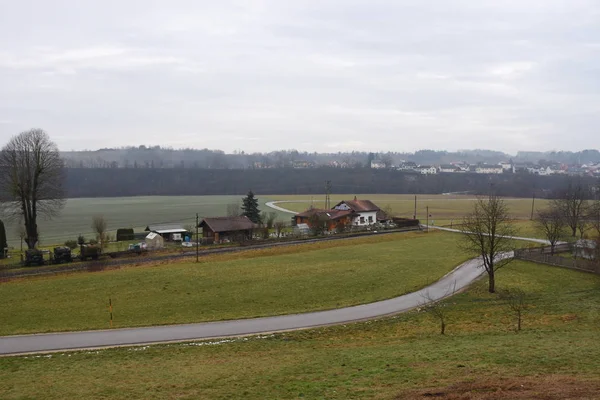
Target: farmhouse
(364, 212)
(332, 218)
(169, 232)
(225, 229)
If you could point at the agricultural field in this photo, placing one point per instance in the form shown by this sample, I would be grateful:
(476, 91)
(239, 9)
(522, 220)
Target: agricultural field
(555, 356)
(253, 283)
(139, 212)
(127, 212)
(443, 209)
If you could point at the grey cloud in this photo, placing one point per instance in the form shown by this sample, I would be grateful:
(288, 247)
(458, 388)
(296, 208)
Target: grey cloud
(327, 75)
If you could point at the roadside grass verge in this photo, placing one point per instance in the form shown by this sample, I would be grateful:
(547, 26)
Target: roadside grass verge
(557, 355)
(253, 283)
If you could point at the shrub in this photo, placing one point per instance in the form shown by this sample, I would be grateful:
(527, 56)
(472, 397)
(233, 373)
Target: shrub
(80, 240)
(124, 234)
(93, 242)
(72, 244)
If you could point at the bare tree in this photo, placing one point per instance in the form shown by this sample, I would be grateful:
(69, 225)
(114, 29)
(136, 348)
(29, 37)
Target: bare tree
(234, 210)
(594, 216)
(552, 225)
(516, 301)
(572, 204)
(31, 180)
(269, 219)
(100, 226)
(487, 232)
(279, 227)
(436, 308)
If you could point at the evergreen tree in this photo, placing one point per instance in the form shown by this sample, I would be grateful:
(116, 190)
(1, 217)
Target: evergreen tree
(250, 208)
(3, 243)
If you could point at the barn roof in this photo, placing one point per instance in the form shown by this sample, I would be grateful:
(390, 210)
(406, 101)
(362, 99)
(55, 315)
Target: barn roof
(166, 228)
(228, 224)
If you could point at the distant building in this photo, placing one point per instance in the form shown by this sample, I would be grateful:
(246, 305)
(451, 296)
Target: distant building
(448, 168)
(426, 169)
(169, 232)
(378, 164)
(489, 169)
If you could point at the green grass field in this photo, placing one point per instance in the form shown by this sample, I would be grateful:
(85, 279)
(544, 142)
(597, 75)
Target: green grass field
(556, 356)
(128, 212)
(138, 212)
(248, 284)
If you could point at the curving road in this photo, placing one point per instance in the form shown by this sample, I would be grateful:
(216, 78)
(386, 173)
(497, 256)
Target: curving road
(454, 281)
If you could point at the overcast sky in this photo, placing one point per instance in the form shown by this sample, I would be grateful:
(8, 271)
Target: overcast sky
(316, 75)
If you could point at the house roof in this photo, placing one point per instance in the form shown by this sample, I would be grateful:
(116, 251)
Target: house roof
(360, 205)
(330, 214)
(166, 228)
(228, 224)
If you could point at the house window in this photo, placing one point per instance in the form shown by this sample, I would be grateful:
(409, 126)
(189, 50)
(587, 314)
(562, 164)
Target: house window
(362, 220)
(370, 219)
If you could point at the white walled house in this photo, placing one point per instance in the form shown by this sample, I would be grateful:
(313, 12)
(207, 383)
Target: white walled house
(378, 164)
(427, 169)
(489, 169)
(448, 168)
(364, 211)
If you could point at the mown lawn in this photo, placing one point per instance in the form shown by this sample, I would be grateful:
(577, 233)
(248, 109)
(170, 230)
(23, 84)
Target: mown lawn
(555, 356)
(249, 284)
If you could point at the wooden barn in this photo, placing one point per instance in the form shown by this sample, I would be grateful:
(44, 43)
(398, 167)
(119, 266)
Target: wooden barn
(227, 229)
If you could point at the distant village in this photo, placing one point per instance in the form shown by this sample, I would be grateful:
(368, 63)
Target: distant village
(461, 167)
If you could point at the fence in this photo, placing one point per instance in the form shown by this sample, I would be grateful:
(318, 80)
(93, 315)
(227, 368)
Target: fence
(542, 255)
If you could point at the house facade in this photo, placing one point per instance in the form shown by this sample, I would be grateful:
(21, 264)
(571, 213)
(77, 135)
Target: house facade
(426, 169)
(489, 169)
(363, 212)
(333, 219)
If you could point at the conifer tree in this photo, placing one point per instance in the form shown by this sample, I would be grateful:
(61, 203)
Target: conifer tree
(3, 243)
(250, 208)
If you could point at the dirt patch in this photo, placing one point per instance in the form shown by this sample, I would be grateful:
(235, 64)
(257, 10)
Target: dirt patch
(551, 387)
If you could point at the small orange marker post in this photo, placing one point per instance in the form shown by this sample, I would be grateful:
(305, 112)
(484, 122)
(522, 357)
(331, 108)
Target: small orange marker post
(110, 310)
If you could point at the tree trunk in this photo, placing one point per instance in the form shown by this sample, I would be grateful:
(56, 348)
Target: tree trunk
(519, 322)
(574, 230)
(491, 281)
(443, 328)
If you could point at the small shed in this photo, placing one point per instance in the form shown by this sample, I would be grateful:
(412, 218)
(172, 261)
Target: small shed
(169, 232)
(225, 229)
(154, 241)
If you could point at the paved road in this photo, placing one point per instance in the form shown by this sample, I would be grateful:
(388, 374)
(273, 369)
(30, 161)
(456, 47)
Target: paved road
(458, 279)
(285, 210)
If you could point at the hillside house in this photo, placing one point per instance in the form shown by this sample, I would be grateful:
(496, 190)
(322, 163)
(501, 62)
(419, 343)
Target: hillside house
(448, 168)
(169, 232)
(227, 229)
(378, 164)
(426, 169)
(489, 169)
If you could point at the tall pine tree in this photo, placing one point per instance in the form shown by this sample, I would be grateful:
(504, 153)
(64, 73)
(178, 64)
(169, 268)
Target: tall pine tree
(3, 243)
(250, 208)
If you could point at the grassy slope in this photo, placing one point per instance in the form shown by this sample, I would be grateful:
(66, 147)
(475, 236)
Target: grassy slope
(255, 283)
(392, 358)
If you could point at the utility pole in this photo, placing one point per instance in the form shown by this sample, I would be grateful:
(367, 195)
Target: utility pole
(415, 213)
(427, 209)
(197, 240)
(327, 195)
(532, 206)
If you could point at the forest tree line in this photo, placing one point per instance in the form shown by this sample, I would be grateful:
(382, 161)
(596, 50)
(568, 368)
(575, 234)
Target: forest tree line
(160, 157)
(102, 182)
